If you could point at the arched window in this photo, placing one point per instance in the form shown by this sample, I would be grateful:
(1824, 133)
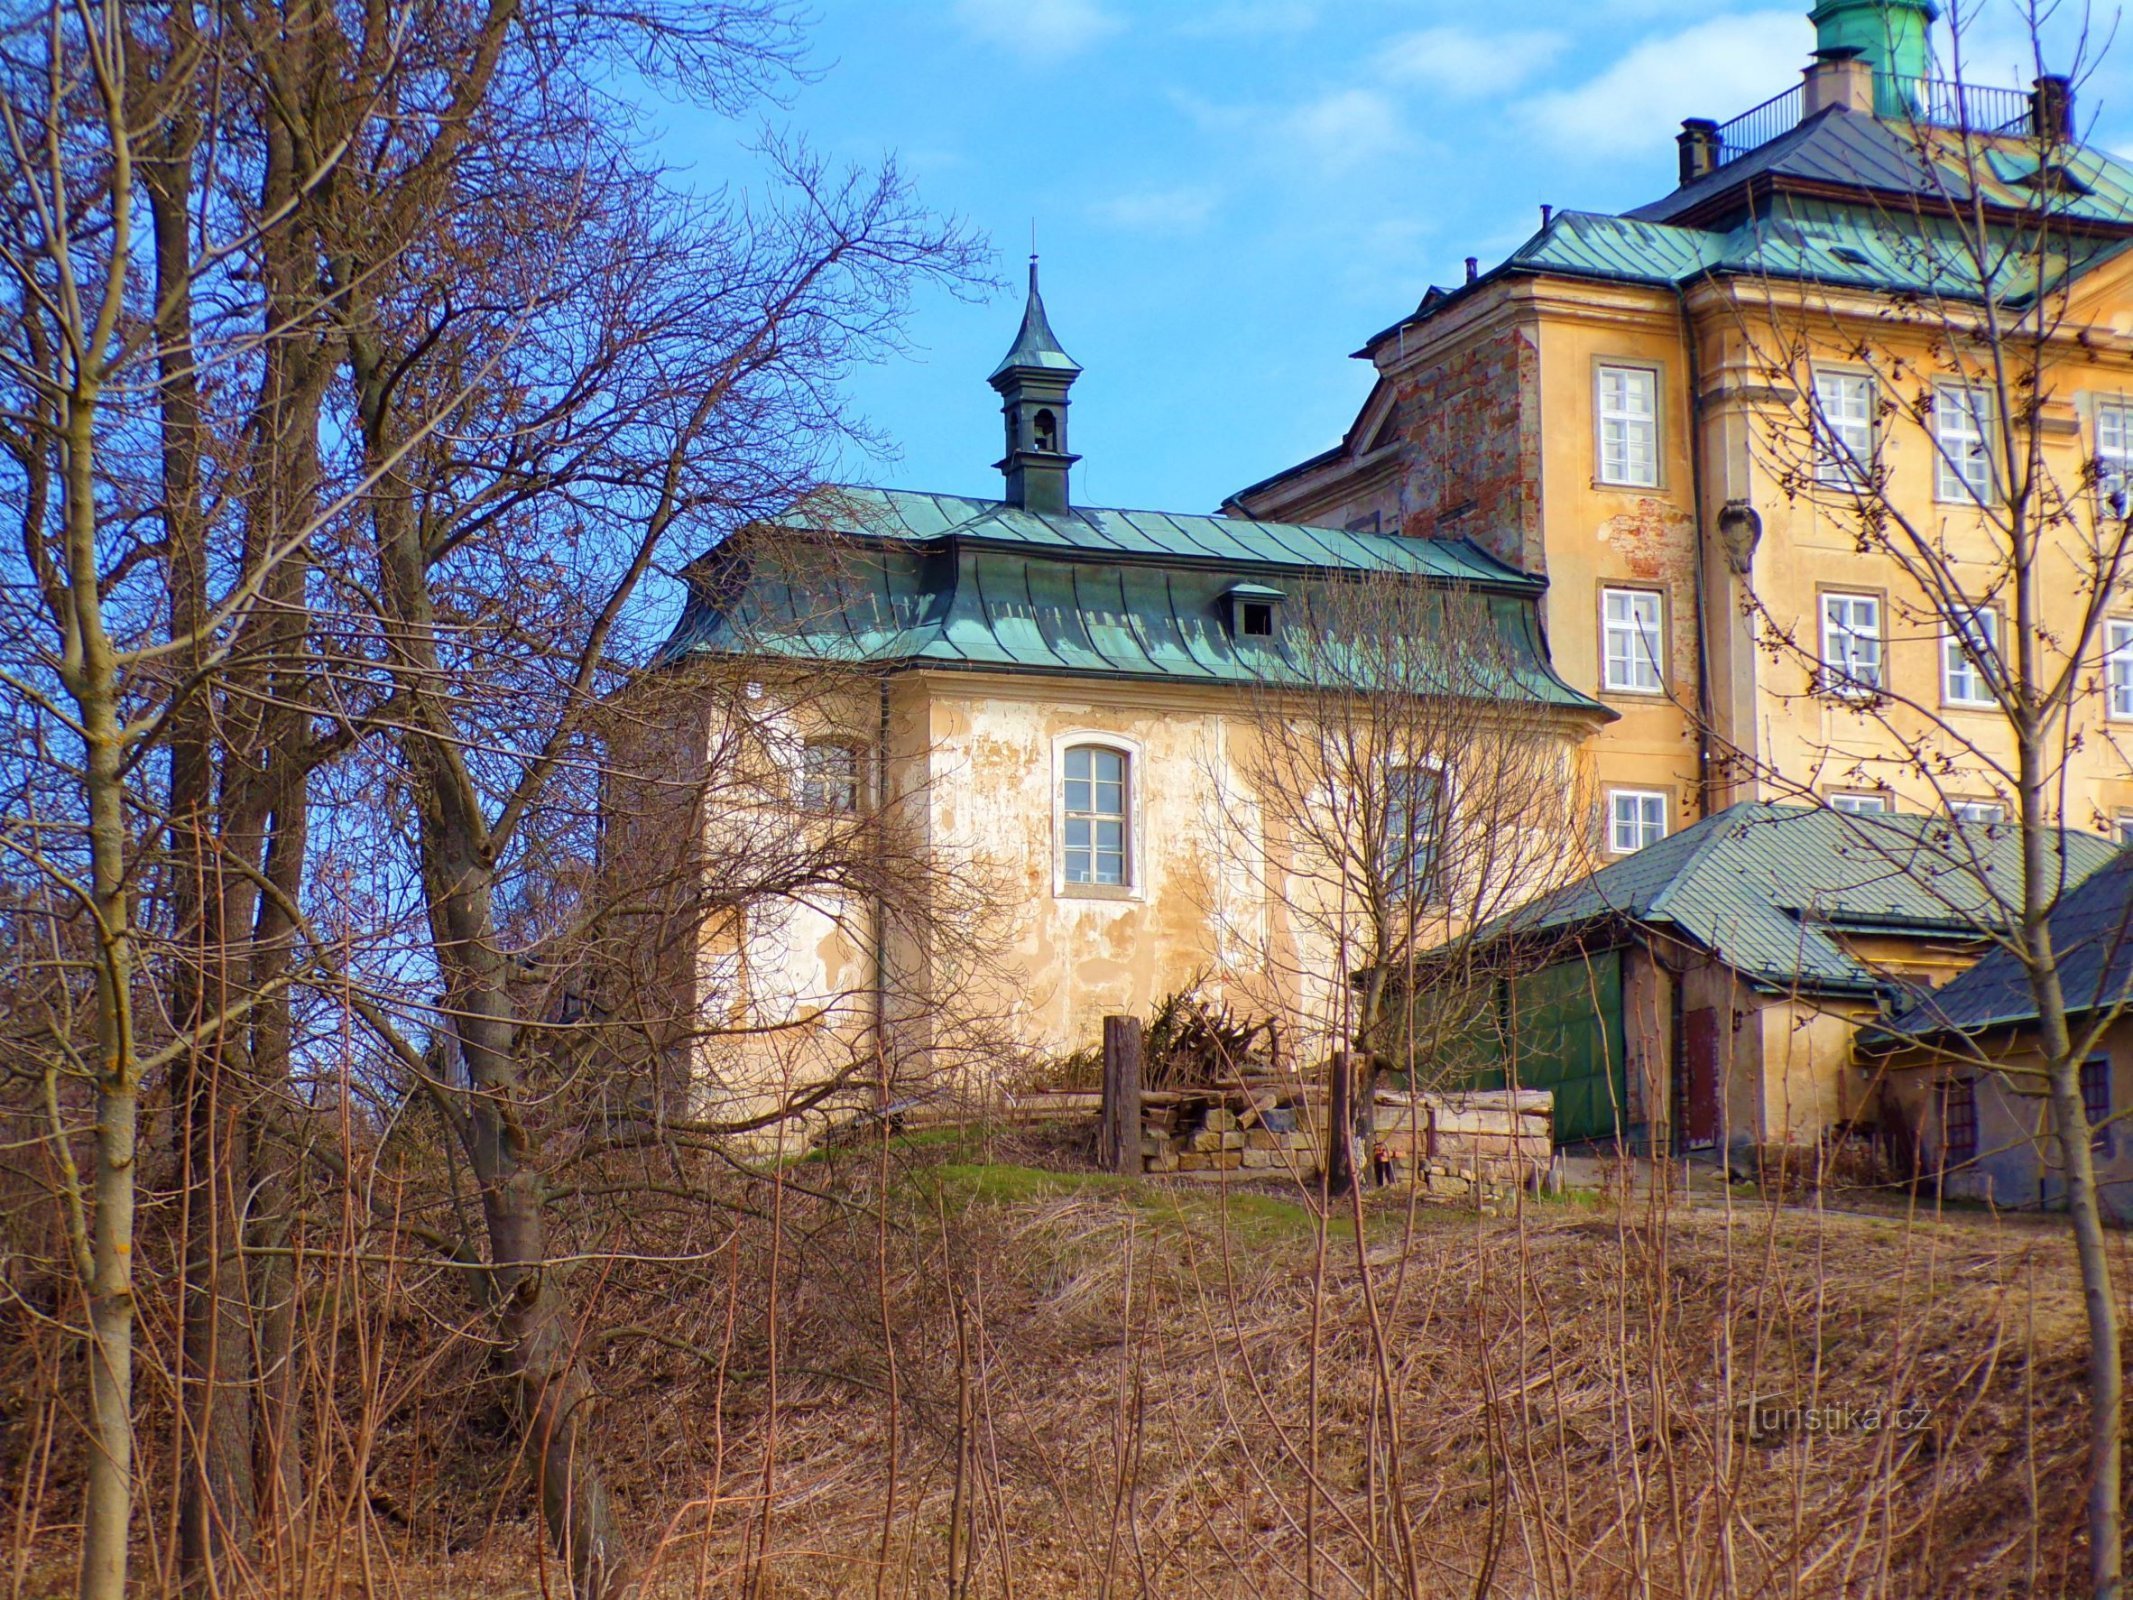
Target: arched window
(1046, 427)
(1094, 815)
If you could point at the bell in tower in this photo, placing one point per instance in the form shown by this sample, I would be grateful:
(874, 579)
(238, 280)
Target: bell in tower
(1033, 379)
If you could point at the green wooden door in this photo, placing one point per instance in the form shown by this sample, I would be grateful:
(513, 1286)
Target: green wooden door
(1564, 1028)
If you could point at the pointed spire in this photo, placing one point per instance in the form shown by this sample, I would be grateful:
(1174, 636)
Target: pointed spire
(1036, 347)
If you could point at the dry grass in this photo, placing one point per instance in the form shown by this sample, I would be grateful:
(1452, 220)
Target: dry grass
(1200, 1392)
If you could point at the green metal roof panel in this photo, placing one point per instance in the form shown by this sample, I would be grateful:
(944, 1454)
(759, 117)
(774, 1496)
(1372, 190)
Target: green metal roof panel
(981, 605)
(2092, 934)
(1163, 538)
(1766, 888)
(1590, 244)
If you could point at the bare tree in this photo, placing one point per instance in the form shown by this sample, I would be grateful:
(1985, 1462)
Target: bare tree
(1410, 764)
(1950, 430)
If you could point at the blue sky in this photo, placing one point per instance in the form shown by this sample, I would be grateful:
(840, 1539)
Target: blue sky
(1230, 197)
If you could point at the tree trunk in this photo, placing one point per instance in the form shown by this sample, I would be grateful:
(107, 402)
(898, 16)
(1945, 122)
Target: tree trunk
(108, 1509)
(1340, 1124)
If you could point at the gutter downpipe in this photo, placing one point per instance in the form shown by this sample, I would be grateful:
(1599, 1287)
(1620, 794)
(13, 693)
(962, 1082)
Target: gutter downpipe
(1704, 759)
(880, 929)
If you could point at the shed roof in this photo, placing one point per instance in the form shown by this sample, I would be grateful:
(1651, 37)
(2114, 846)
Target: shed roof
(2092, 932)
(1769, 889)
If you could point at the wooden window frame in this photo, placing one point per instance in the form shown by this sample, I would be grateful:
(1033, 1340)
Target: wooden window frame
(1601, 365)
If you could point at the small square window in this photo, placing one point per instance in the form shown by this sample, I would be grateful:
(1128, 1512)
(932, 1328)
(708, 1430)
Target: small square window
(1860, 805)
(1851, 644)
(1632, 641)
(1964, 654)
(1962, 438)
(2096, 1104)
(2122, 827)
(829, 779)
(1635, 818)
(1628, 404)
(1258, 619)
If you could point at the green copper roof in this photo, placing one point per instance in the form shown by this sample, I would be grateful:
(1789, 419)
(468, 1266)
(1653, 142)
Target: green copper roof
(894, 578)
(1170, 537)
(1036, 347)
(1846, 201)
(1768, 888)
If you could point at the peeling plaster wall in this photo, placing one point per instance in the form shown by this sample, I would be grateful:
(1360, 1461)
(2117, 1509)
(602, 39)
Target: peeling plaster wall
(1199, 904)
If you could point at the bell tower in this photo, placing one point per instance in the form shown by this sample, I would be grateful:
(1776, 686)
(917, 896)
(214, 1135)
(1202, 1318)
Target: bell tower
(1033, 379)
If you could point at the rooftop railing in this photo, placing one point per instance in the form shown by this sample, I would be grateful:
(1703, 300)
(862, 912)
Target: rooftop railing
(1932, 102)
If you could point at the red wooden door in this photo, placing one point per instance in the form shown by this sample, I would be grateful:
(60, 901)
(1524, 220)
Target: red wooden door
(1700, 1078)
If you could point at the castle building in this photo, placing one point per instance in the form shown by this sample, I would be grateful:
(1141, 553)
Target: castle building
(1662, 413)
(1060, 704)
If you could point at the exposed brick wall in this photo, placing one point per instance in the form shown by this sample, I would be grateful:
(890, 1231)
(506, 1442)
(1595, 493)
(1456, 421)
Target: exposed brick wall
(1472, 425)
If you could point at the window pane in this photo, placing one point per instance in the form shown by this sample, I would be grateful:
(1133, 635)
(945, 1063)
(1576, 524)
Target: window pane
(1961, 430)
(1629, 428)
(1093, 803)
(2118, 667)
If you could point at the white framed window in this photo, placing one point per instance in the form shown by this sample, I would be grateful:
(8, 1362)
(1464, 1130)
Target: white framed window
(1962, 654)
(1632, 629)
(1985, 811)
(1095, 815)
(1851, 643)
(829, 777)
(1860, 805)
(2114, 454)
(1635, 818)
(2118, 668)
(1627, 404)
(1962, 435)
(1414, 825)
(2122, 827)
(1844, 427)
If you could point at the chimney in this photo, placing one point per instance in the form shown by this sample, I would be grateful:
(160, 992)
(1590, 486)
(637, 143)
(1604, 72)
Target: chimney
(1698, 140)
(2051, 107)
(1473, 268)
(1841, 77)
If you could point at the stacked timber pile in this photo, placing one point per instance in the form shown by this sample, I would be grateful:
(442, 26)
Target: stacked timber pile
(1495, 1135)
(1227, 1131)
(1472, 1147)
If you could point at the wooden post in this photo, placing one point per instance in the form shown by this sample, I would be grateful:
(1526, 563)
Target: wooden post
(1119, 1140)
(1340, 1124)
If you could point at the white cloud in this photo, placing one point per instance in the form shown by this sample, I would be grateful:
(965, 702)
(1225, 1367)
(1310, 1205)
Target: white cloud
(1344, 129)
(1715, 69)
(1044, 30)
(1463, 65)
(1158, 211)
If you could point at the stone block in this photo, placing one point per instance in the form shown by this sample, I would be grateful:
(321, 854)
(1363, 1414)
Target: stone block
(1259, 1157)
(1260, 1139)
(1193, 1161)
(1219, 1120)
